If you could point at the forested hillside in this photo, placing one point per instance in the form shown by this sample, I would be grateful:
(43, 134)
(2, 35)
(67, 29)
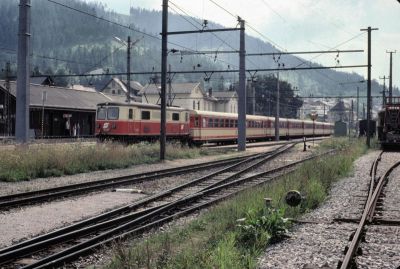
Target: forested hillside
(83, 43)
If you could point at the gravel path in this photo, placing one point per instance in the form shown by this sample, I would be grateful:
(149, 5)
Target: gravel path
(321, 244)
(19, 224)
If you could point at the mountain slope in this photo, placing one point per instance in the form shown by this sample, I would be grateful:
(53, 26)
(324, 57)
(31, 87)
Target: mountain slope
(88, 43)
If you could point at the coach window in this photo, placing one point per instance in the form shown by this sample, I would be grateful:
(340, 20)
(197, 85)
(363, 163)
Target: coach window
(186, 117)
(113, 113)
(145, 115)
(216, 123)
(210, 123)
(101, 113)
(130, 114)
(231, 123)
(196, 122)
(204, 123)
(236, 124)
(175, 116)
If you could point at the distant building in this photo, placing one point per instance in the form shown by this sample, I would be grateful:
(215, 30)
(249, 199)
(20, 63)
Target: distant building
(227, 101)
(314, 106)
(118, 87)
(192, 96)
(339, 112)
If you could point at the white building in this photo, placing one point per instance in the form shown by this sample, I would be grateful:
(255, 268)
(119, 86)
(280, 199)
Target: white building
(192, 96)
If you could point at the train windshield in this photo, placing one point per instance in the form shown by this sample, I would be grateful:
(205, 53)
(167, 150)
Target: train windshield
(101, 113)
(113, 113)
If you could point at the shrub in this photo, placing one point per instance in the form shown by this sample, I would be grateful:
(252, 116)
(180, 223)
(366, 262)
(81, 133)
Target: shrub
(261, 227)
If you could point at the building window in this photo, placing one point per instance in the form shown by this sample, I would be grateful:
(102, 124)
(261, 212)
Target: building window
(145, 115)
(194, 104)
(130, 114)
(198, 105)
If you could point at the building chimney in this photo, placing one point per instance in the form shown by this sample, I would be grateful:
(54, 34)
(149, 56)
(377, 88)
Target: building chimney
(209, 92)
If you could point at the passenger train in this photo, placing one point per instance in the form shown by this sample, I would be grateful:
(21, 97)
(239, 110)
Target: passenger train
(140, 122)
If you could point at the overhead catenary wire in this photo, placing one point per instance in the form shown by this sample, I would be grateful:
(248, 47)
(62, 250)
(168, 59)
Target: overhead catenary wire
(214, 34)
(14, 51)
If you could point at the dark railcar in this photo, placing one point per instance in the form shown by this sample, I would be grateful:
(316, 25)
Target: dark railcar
(363, 128)
(389, 123)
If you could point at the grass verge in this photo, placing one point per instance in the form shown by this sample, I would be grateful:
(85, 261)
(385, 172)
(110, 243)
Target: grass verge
(234, 233)
(66, 159)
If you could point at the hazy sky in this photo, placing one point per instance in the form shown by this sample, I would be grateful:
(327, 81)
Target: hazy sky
(303, 25)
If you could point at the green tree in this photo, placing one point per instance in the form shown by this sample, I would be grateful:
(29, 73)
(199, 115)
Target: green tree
(265, 88)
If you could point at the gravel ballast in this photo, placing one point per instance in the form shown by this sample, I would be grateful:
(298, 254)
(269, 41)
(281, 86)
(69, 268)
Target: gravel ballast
(321, 244)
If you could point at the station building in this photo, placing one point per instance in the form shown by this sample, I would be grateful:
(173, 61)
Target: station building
(68, 112)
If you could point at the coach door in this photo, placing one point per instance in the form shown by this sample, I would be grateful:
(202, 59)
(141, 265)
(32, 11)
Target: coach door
(131, 127)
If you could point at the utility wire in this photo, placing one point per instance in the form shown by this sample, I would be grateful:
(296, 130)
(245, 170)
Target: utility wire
(13, 51)
(223, 41)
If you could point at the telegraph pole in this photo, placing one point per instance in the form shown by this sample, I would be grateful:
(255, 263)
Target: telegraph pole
(358, 101)
(363, 111)
(23, 72)
(352, 115)
(390, 75)
(384, 90)
(369, 30)
(169, 103)
(128, 70)
(242, 89)
(277, 107)
(164, 55)
(7, 111)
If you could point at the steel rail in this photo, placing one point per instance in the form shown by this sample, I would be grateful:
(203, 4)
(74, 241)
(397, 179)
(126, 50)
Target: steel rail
(35, 244)
(32, 197)
(94, 243)
(367, 215)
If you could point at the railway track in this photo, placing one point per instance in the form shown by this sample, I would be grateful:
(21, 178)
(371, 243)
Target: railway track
(34, 197)
(135, 218)
(376, 224)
